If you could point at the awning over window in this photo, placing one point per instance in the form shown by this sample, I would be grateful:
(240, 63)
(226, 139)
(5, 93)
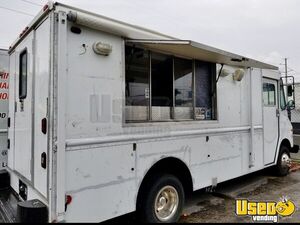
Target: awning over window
(194, 50)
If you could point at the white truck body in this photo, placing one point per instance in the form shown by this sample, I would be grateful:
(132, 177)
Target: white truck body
(73, 117)
(4, 76)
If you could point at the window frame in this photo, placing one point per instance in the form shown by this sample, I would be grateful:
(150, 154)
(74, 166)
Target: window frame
(282, 97)
(212, 70)
(22, 91)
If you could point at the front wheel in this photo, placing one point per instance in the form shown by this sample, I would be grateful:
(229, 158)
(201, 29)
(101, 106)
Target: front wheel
(162, 201)
(284, 162)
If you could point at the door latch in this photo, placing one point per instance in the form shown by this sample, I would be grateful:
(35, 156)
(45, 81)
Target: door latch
(277, 113)
(44, 160)
(44, 126)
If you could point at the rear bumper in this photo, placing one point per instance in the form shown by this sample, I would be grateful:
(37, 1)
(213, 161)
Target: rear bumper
(295, 149)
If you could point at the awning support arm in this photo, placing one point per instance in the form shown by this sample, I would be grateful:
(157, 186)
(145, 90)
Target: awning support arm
(222, 65)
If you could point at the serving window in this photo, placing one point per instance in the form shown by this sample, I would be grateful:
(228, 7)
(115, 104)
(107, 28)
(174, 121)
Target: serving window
(161, 87)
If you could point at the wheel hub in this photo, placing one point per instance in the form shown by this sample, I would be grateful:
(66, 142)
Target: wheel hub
(162, 203)
(166, 203)
(285, 160)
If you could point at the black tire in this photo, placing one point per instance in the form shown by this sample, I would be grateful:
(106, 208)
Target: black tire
(281, 169)
(146, 202)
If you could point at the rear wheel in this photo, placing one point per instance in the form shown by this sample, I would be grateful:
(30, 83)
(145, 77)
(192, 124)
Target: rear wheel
(162, 200)
(284, 161)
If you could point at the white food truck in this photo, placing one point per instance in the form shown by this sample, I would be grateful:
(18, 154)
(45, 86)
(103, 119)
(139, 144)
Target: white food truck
(4, 76)
(108, 118)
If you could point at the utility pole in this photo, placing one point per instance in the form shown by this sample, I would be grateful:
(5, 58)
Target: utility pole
(286, 79)
(286, 87)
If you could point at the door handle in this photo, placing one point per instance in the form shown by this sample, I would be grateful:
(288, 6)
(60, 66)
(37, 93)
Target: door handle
(44, 126)
(44, 160)
(277, 113)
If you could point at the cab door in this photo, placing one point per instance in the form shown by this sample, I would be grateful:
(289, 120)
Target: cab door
(271, 119)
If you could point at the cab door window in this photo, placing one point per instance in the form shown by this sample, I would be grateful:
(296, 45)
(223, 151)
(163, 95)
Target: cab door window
(269, 94)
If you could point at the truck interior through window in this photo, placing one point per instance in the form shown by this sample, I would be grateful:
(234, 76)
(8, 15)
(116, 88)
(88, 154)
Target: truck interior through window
(161, 87)
(183, 76)
(137, 84)
(269, 95)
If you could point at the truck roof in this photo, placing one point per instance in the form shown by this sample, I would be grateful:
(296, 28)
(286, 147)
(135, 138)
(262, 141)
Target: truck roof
(148, 38)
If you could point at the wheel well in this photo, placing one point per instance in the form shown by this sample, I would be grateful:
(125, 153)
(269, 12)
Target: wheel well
(172, 166)
(286, 142)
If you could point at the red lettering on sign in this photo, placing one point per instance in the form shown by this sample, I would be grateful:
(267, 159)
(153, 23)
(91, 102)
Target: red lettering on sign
(4, 75)
(3, 85)
(3, 96)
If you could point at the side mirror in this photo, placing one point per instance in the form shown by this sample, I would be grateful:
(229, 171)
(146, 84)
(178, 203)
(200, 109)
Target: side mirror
(291, 104)
(290, 90)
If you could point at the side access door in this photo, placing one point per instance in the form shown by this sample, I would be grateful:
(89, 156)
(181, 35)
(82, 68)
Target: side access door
(271, 119)
(32, 76)
(23, 133)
